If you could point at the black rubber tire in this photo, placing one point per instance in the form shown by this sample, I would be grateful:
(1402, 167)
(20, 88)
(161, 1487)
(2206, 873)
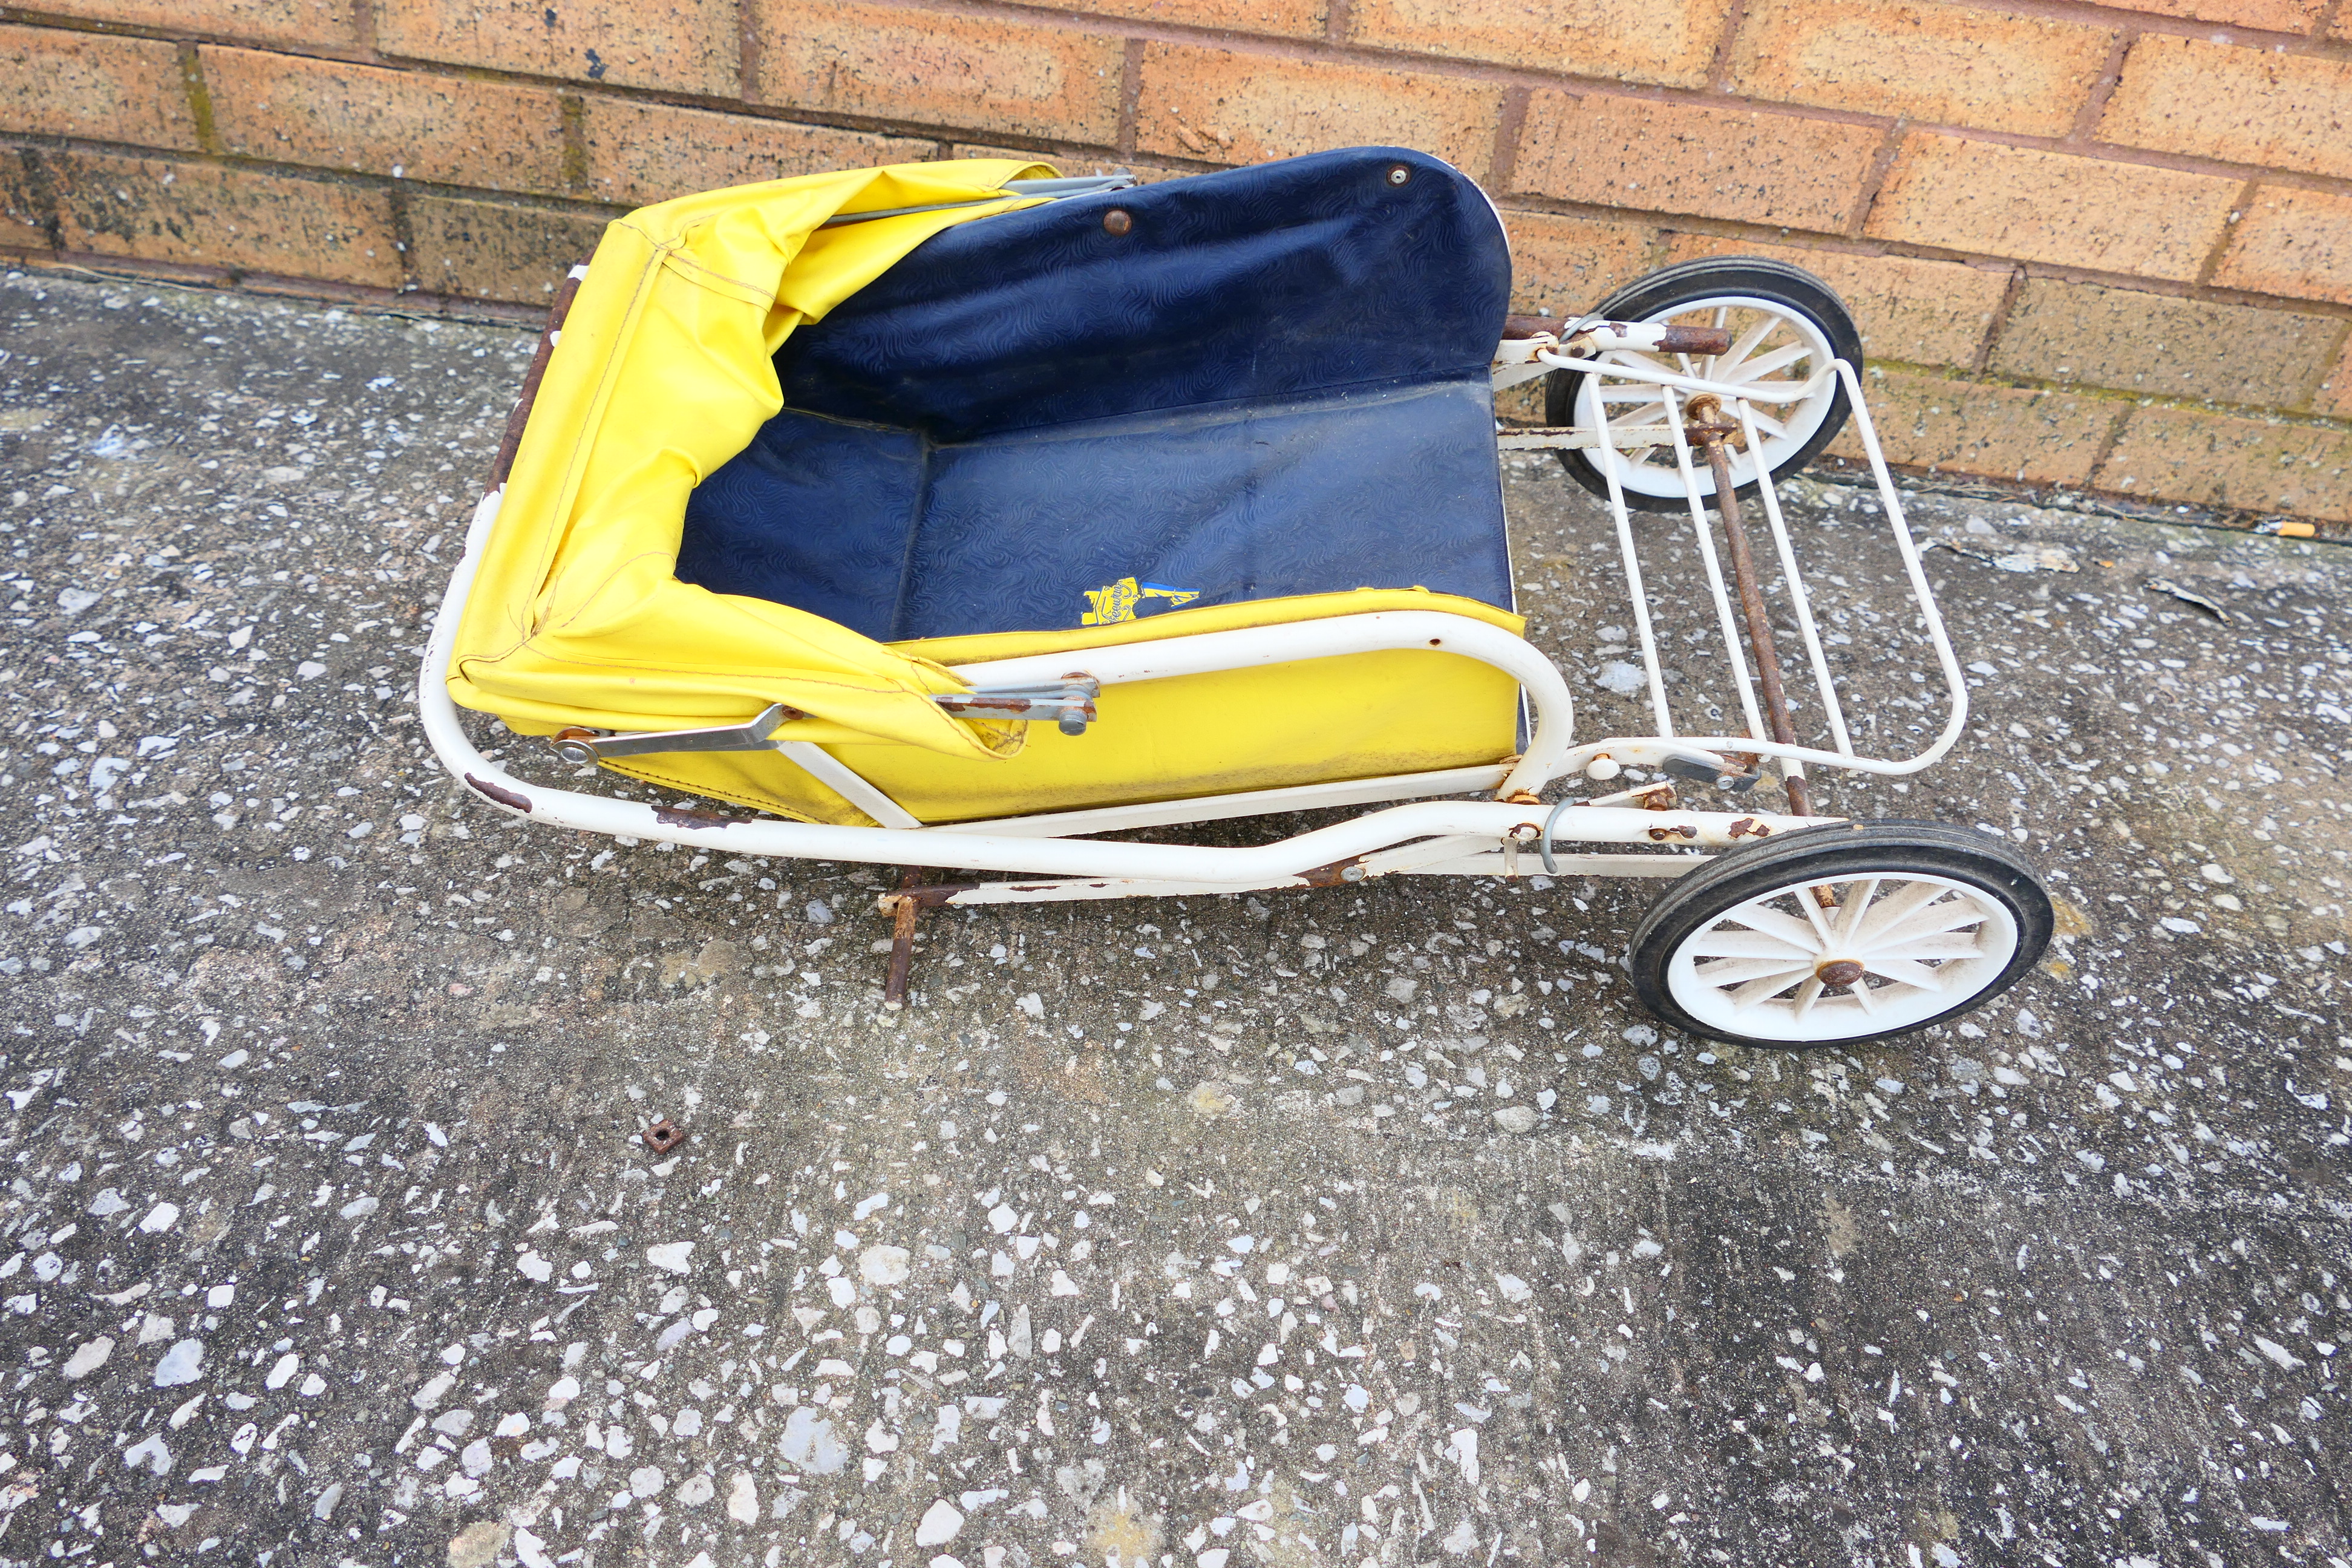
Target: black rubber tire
(1673, 289)
(1835, 852)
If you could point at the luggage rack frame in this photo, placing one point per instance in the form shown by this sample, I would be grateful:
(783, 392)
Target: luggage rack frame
(1679, 390)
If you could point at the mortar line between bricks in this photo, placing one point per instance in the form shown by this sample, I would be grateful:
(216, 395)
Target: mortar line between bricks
(348, 53)
(2056, 495)
(45, 190)
(1311, 51)
(1655, 249)
(557, 202)
(2111, 76)
(1503, 163)
(200, 100)
(1874, 180)
(403, 237)
(1130, 95)
(2080, 11)
(748, 49)
(2240, 206)
(1718, 68)
(1839, 245)
(1338, 20)
(2114, 437)
(1998, 381)
(768, 113)
(192, 276)
(2105, 154)
(2330, 362)
(1044, 148)
(532, 200)
(1527, 202)
(2089, 13)
(200, 279)
(1868, 245)
(2009, 294)
(573, 112)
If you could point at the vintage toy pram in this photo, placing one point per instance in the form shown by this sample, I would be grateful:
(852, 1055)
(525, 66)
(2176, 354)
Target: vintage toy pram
(953, 513)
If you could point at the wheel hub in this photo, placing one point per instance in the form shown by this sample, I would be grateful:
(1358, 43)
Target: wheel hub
(1837, 971)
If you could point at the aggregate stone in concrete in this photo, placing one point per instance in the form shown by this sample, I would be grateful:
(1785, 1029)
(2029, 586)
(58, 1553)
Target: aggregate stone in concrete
(1369, 1225)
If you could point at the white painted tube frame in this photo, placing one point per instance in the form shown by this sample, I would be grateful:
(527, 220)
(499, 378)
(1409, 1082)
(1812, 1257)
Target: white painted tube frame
(1549, 754)
(1261, 864)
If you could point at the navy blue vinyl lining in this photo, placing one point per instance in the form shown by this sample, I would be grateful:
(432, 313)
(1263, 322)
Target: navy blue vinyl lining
(1273, 384)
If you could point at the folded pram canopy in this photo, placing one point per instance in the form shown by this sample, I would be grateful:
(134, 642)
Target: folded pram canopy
(772, 461)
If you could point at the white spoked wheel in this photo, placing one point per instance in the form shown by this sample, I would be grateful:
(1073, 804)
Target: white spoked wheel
(1787, 330)
(1888, 954)
(1843, 934)
(1772, 349)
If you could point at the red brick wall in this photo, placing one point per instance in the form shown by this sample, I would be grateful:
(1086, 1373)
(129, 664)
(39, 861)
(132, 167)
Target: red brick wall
(2105, 246)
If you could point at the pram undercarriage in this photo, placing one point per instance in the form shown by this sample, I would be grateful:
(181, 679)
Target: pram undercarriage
(1696, 389)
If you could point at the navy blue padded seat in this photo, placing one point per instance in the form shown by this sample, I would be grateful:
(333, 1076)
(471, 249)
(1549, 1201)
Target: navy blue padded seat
(1275, 382)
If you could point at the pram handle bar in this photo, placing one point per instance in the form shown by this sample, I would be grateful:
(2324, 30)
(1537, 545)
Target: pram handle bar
(1251, 647)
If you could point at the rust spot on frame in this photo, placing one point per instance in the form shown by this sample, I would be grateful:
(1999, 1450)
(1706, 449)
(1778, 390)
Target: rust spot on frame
(688, 817)
(513, 800)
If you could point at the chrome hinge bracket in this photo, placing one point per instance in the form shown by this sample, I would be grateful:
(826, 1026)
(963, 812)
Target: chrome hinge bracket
(1069, 702)
(583, 746)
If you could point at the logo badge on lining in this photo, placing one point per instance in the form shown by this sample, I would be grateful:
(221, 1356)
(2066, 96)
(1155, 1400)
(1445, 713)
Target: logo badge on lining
(1123, 599)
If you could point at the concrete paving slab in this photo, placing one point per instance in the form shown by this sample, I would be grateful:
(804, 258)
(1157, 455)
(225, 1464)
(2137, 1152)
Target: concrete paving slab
(1372, 1226)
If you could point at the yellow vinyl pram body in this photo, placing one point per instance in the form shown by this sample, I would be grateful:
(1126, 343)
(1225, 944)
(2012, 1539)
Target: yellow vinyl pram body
(957, 515)
(665, 372)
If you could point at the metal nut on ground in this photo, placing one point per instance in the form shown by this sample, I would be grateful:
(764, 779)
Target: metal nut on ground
(664, 1136)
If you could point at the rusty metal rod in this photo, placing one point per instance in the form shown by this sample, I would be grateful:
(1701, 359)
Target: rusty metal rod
(903, 911)
(1710, 429)
(904, 905)
(512, 442)
(1677, 340)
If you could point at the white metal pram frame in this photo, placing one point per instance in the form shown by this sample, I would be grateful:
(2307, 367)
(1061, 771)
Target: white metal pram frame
(1508, 833)
(1052, 845)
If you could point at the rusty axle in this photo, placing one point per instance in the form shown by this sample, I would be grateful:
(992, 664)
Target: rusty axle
(1673, 340)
